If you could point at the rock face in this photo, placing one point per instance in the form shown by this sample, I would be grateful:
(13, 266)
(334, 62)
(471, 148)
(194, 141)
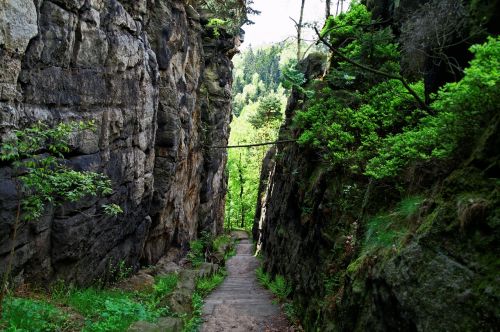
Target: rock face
(312, 220)
(157, 86)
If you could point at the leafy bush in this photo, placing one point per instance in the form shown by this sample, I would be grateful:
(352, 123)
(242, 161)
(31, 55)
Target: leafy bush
(220, 241)
(37, 153)
(31, 315)
(461, 109)
(352, 109)
(370, 124)
(119, 313)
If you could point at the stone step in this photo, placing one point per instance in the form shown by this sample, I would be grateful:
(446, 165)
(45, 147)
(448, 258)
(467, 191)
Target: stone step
(258, 310)
(240, 299)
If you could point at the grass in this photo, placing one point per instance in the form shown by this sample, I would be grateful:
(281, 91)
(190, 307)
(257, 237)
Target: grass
(207, 244)
(409, 206)
(195, 321)
(69, 308)
(32, 315)
(388, 230)
(98, 309)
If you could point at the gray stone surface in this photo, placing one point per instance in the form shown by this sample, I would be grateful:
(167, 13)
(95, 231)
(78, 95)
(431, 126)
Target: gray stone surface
(240, 303)
(140, 70)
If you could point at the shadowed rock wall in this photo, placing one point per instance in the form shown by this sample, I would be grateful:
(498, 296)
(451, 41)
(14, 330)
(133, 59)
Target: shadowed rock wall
(312, 220)
(156, 86)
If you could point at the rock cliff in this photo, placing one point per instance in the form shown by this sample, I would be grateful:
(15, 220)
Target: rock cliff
(157, 86)
(312, 220)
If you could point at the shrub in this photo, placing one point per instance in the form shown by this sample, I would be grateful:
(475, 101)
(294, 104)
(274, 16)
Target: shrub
(461, 109)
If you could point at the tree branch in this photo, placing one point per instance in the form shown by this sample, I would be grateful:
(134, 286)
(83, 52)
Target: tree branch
(373, 70)
(252, 145)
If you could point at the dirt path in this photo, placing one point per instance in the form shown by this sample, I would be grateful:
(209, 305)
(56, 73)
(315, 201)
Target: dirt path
(240, 303)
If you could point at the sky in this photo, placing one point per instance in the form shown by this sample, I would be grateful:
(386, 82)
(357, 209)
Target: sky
(274, 23)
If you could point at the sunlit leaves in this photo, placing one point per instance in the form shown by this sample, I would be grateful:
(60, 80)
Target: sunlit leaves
(459, 111)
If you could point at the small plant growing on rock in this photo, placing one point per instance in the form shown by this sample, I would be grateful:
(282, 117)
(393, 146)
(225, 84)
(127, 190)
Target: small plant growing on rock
(216, 24)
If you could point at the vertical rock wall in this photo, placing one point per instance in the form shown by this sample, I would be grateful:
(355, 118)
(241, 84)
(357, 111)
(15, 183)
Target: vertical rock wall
(142, 71)
(312, 221)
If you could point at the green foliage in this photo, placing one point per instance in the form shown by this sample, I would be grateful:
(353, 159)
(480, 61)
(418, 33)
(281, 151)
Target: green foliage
(290, 312)
(278, 286)
(234, 12)
(459, 111)
(409, 206)
(120, 271)
(118, 314)
(257, 122)
(216, 24)
(101, 309)
(205, 286)
(114, 309)
(256, 74)
(37, 154)
(31, 315)
(353, 110)
(196, 253)
(221, 241)
(224, 243)
(112, 209)
(389, 230)
(368, 123)
(380, 233)
(291, 76)
(268, 112)
(195, 321)
(164, 285)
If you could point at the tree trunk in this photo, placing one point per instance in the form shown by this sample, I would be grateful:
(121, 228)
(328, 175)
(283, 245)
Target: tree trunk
(327, 8)
(242, 208)
(299, 31)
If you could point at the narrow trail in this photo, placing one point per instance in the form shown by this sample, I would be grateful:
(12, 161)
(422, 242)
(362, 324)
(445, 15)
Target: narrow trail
(241, 303)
